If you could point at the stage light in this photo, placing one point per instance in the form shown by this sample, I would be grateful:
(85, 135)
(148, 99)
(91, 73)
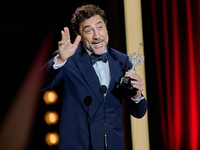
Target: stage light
(51, 117)
(50, 97)
(52, 138)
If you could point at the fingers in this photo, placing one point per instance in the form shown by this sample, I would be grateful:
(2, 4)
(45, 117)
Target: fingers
(60, 43)
(65, 40)
(134, 76)
(65, 34)
(77, 40)
(138, 86)
(65, 47)
(137, 82)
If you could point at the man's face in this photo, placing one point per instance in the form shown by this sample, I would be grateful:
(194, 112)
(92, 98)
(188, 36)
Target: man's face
(94, 34)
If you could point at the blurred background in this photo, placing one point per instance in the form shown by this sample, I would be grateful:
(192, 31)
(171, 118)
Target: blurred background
(29, 32)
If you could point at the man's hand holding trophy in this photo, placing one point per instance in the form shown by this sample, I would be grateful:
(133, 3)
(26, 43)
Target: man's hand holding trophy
(125, 84)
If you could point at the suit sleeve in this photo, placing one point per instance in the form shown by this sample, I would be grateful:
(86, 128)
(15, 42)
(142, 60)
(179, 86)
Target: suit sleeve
(137, 110)
(52, 77)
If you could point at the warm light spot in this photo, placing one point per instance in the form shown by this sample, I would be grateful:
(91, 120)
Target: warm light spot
(51, 117)
(50, 97)
(52, 138)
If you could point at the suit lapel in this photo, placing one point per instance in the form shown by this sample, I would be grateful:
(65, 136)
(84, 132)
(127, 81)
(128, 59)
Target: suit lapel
(88, 72)
(90, 76)
(114, 73)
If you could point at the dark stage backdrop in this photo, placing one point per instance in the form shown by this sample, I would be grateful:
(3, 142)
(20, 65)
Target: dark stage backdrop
(172, 49)
(171, 37)
(25, 29)
(24, 26)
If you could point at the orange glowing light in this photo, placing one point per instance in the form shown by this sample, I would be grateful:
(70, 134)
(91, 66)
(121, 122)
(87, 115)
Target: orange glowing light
(50, 97)
(52, 138)
(51, 117)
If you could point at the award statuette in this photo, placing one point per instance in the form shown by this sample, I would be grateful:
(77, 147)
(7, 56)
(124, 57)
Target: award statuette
(125, 86)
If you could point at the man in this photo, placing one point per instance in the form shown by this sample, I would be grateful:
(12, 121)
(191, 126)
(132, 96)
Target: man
(82, 123)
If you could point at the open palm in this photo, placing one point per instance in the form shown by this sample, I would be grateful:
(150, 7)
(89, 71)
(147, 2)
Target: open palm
(65, 47)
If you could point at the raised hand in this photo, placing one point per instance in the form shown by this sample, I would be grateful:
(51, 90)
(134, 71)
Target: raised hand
(65, 47)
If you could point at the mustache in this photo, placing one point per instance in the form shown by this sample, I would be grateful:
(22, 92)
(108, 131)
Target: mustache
(96, 41)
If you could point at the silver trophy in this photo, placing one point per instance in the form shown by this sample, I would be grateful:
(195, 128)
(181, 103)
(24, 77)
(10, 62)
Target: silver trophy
(125, 85)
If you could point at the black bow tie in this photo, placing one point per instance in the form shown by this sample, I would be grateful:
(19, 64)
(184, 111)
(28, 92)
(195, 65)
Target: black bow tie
(94, 58)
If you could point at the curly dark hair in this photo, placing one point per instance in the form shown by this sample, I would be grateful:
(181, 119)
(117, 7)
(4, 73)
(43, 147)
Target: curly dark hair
(85, 12)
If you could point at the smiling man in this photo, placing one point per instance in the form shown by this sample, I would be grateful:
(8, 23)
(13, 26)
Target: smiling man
(79, 69)
(94, 34)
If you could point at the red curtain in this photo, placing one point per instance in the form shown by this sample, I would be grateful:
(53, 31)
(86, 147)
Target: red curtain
(176, 36)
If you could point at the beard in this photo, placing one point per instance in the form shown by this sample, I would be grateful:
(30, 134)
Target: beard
(96, 41)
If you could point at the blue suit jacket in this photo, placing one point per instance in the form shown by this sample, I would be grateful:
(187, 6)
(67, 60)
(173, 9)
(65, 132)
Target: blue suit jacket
(80, 81)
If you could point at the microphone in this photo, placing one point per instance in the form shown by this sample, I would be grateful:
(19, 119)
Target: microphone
(103, 90)
(87, 101)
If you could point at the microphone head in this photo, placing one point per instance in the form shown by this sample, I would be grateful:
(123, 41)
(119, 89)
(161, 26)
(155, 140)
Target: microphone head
(87, 100)
(103, 89)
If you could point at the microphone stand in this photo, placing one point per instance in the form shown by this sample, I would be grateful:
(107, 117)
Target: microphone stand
(105, 135)
(90, 143)
(87, 102)
(103, 90)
